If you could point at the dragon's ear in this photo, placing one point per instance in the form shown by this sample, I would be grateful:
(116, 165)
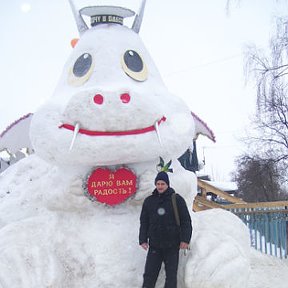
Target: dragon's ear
(74, 42)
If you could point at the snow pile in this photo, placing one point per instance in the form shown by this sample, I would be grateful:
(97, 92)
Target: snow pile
(56, 237)
(52, 236)
(220, 247)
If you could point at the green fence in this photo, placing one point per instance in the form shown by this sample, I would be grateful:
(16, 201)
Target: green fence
(268, 228)
(267, 221)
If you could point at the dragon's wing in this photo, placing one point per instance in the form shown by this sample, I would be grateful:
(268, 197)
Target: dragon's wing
(16, 135)
(202, 128)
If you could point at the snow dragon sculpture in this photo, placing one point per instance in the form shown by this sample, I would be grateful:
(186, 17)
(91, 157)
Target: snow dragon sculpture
(110, 112)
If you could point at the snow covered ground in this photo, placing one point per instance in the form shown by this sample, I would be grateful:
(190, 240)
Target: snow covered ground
(267, 271)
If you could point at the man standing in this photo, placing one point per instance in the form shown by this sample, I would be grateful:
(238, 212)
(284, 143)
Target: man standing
(160, 233)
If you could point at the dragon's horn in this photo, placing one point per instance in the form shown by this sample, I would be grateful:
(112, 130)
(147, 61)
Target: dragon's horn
(81, 25)
(138, 18)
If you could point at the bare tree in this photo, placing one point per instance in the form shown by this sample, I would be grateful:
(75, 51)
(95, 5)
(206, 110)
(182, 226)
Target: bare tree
(262, 172)
(271, 76)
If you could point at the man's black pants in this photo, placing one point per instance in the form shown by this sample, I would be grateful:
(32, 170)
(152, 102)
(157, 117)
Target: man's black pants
(155, 257)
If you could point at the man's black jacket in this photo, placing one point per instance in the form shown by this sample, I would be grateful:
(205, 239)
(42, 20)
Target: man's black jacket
(158, 225)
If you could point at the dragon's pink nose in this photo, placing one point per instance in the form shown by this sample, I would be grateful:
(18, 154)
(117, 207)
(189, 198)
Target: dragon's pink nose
(99, 99)
(125, 98)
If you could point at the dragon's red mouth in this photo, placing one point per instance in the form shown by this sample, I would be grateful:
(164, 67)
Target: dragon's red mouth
(114, 133)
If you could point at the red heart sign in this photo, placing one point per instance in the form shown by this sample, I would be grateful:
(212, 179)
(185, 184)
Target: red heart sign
(111, 187)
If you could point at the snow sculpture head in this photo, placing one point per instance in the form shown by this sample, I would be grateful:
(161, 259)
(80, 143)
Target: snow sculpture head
(111, 106)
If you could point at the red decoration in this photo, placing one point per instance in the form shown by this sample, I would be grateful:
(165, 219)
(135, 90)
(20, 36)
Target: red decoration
(111, 187)
(98, 99)
(125, 98)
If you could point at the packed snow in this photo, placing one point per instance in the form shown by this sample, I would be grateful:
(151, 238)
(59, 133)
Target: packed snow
(53, 236)
(104, 114)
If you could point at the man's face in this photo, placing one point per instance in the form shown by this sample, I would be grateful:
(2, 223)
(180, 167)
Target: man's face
(161, 186)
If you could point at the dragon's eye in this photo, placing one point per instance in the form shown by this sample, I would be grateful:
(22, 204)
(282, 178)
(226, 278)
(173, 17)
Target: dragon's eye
(134, 66)
(81, 70)
(82, 65)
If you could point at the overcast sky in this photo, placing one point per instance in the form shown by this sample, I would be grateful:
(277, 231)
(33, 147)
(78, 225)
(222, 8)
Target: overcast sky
(197, 45)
